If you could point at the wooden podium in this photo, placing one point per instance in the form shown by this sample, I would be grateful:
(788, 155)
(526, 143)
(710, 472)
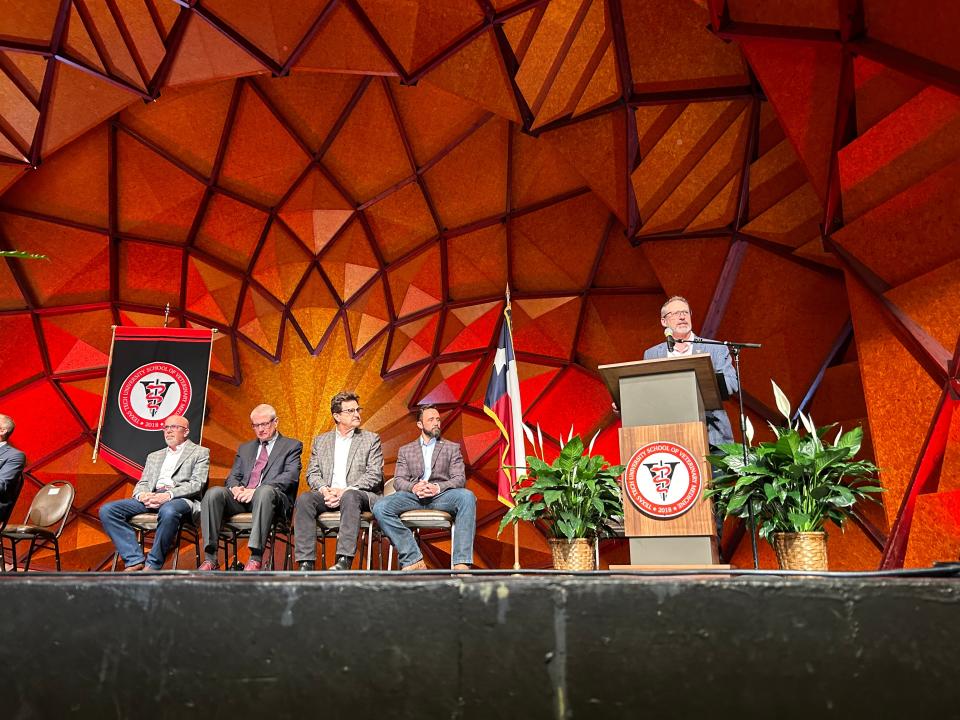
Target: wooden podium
(663, 442)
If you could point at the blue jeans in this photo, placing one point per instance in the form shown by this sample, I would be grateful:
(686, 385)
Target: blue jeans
(114, 516)
(460, 502)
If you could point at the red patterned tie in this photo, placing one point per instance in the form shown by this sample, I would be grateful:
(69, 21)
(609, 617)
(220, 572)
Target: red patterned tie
(258, 467)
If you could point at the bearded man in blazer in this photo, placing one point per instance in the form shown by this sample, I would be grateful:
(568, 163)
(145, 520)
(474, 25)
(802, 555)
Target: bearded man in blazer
(675, 314)
(430, 476)
(171, 484)
(263, 481)
(346, 474)
(12, 462)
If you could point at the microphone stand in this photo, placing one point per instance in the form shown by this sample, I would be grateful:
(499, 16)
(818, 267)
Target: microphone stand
(735, 348)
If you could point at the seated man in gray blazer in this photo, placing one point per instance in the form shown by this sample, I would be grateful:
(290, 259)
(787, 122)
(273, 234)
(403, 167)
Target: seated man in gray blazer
(171, 484)
(11, 469)
(429, 476)
(263, 481)
(346, 474)
(675, 314)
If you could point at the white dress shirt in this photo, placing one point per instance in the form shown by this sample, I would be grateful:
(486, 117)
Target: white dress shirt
(341, 452)
(170, 462)
(687, 352)
(427, 449)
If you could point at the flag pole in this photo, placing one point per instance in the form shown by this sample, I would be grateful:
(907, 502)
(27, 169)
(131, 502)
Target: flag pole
(106, 387)
(516, 527)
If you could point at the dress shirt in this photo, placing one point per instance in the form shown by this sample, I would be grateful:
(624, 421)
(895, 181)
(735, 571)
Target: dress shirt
(427, 449)
(689, 350)
(170, 461)
(341, 452)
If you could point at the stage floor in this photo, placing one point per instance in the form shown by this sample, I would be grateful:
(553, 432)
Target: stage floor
(489, 644)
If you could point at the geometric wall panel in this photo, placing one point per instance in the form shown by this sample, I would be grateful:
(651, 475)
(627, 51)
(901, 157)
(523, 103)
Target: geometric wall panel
(346, 193)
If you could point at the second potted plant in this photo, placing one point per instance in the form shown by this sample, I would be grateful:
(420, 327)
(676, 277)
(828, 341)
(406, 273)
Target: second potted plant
(795, 484)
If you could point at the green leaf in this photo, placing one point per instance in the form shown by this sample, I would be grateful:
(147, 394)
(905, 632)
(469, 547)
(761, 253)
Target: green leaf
(21, 255)
(852, 439)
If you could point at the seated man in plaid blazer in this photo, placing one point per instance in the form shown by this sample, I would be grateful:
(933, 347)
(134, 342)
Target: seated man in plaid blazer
(346, 474)
(429, 476)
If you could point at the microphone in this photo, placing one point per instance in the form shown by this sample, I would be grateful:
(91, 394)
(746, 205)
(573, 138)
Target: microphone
(670, 341)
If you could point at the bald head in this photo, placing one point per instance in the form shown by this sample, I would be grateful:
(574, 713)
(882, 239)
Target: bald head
(175, 430)
(6, 427)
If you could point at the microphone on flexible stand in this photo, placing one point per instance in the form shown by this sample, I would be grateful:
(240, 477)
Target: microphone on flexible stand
(670, 341)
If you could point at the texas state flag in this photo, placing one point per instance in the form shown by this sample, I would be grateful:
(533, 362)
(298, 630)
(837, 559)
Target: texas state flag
(502, 404)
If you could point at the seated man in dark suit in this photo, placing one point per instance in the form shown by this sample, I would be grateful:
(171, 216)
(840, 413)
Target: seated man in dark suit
(430, 476)
(11, 469)
(171, 484)
(262, 481)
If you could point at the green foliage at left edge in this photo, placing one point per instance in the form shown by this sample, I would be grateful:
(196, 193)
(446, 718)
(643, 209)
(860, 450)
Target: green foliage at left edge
(575, 496)
(19, 254)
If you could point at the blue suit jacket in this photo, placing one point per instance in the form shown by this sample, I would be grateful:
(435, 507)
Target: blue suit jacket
(718, 424)
(11, 479)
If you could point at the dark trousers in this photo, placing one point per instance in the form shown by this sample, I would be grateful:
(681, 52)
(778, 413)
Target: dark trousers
(219, 501)
(310, 505)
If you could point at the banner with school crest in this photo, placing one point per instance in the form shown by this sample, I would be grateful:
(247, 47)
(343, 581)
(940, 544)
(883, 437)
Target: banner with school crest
(153, 373)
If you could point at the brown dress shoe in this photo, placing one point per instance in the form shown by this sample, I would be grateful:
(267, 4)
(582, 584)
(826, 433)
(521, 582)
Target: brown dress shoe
(461, 567)
(418, 565)
(253, 565)
(208, 565)
(134, 568)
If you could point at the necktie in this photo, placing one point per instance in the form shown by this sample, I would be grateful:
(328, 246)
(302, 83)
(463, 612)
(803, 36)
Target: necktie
(258, 467)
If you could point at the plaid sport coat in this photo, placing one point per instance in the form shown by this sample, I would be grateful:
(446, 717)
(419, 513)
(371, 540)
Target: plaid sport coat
(364, 462)
(446, 465)
(189, 477)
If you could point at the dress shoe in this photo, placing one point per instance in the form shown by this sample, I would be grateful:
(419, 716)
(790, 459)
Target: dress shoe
(137, 567)
(208, 565)
(253, 565)
(462, 567)
(343, 563)
(418, 565)
(308, 566)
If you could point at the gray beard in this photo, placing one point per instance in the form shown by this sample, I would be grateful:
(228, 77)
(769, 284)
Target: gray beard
(435, 433)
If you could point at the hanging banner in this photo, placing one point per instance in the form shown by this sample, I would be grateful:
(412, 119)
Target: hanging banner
(153, 373)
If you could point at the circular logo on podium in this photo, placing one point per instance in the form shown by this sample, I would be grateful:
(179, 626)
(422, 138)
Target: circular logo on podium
(663, 480)
(152, 393)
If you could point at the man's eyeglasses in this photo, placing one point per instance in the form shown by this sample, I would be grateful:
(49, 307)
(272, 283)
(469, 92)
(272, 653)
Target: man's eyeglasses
(676, 313)
(174, 427)
(263, 425)
(351, 411)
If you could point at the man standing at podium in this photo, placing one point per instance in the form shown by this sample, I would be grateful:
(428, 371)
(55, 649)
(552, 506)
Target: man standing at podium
(675, 315)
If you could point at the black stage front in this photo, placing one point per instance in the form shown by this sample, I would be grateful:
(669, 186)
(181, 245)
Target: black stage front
(491, 645)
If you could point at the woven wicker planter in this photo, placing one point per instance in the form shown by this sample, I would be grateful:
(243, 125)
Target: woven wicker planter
(576, 554)
(801, 551)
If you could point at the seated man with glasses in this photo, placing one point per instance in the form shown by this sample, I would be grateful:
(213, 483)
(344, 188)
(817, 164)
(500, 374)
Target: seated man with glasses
(346, 474)
(263, 481)
(171, 484)
(675, 314)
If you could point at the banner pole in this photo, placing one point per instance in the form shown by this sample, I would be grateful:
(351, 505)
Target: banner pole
(203, 411)
(106, 387)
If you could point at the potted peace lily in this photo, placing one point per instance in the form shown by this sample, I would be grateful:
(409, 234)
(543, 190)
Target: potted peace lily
(575, 497)
(795, 484)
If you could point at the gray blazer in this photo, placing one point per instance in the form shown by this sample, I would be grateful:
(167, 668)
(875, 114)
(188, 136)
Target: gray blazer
(189, 477)
(446, 465)
(718, 424)
(11, 479)
(364, 463)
